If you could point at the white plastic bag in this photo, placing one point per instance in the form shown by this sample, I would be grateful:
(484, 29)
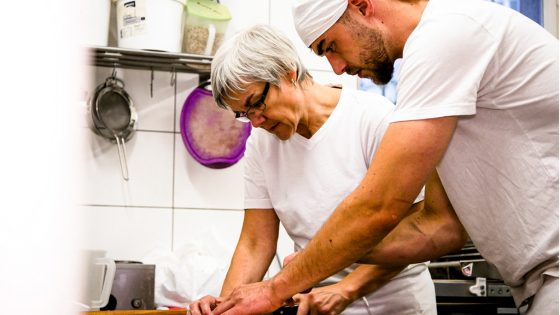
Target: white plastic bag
(196, 269)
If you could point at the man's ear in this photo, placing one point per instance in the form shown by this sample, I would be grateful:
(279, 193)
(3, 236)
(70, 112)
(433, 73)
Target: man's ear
(364, 7)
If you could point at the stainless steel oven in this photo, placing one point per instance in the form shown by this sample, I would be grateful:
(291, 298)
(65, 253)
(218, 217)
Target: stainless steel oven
(466, 284)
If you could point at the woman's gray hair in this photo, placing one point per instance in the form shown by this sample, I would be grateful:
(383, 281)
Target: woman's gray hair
(258, 54)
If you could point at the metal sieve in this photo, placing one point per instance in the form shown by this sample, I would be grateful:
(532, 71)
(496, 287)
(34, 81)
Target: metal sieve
(114, 116)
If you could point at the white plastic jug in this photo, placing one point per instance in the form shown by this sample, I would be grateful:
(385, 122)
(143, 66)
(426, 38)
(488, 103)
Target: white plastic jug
(98, 276)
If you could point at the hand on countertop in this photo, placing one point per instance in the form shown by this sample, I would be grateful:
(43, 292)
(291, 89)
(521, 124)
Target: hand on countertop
(204, 305)
(137, 312)
(323, 300)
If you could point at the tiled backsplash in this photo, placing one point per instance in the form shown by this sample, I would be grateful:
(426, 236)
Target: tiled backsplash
(163, 175)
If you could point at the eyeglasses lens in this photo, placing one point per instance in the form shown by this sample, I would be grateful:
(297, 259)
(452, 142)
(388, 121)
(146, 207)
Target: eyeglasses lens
(259, 106)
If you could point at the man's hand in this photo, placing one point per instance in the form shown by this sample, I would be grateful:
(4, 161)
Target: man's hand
(324, 300)
(203, 306)
(254, 298)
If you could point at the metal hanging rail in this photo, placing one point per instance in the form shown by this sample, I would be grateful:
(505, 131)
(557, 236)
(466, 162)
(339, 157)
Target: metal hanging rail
(114, 57)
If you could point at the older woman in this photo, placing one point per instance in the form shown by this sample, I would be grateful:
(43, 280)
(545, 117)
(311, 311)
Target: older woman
(311, 147)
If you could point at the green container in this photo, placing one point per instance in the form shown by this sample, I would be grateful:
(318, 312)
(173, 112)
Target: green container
(205, 26)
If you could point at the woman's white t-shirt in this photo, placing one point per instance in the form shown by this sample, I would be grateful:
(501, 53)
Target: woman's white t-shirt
(304, 180)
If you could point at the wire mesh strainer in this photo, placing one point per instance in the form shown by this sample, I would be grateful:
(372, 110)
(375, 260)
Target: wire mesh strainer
(114, 116)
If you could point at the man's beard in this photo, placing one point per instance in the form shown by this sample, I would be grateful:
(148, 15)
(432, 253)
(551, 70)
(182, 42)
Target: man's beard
(373, 56)
(381, 73)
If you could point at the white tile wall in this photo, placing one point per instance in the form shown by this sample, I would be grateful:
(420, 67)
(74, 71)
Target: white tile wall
(150, 168)
(186, 83)
(219, 229)
(154, 100)
(198, 186)
(127, 233)
(170, 199)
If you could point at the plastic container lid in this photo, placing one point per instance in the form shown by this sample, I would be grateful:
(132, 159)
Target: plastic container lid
(182, 1)
(208, 9)
(211, 135)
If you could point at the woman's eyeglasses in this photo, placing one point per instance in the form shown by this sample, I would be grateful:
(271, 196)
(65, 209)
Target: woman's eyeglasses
(258, 107)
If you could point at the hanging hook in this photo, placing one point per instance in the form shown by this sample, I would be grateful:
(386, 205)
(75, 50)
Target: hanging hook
(112, 80)
(152, 83)
(173, 76)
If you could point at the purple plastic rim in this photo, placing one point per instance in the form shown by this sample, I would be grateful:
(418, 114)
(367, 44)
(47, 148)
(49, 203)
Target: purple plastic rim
(216, 162)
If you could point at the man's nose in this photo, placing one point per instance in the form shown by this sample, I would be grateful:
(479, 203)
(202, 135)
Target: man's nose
(337, 64)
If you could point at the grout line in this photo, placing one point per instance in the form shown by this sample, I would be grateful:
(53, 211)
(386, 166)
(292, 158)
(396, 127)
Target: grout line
(174, 153)
(160, 207)
(123, 206)
(158, 131)
(155, 131)
(177, 132)
(210, 209)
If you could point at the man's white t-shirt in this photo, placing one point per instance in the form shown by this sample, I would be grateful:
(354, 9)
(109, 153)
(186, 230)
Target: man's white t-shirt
(304, 180)
(498, 71)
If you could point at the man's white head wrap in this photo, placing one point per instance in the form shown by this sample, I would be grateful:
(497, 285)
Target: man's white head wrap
(314, 17)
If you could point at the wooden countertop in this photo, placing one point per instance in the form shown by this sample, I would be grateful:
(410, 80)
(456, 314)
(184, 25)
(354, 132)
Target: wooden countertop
(137, 312)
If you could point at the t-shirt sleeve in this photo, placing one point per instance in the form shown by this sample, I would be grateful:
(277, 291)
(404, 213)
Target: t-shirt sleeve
(443, 64)
(375, 121)
(256, 193)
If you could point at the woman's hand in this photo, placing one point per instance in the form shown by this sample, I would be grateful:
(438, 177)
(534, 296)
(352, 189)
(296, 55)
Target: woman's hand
(203, 306)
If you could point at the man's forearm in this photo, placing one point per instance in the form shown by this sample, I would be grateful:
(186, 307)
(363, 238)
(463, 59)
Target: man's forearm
(369, 213)
(424, 235)
(338, 238)
(367, 278)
